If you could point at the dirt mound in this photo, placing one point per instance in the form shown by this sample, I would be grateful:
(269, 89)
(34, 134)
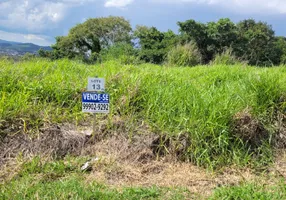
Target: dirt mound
(59, 141)
(53, 141)
(135, 149)
(249, 129)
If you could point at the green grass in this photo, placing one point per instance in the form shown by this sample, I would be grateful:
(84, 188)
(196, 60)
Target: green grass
(199, 101)
(251, 191)
(74, 187)
(63, 180)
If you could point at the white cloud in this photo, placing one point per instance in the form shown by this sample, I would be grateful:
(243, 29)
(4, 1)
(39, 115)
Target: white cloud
(118, 3)
(35, 15)
(26, 38)
(39, 15)
(242, 6)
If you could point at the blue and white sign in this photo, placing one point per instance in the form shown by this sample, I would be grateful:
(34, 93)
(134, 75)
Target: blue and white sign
(95, 103)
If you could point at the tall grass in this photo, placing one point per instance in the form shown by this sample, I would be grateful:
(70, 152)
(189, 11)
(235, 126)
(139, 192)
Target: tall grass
(199, 102)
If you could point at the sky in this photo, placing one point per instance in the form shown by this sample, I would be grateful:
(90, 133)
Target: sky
(40, 21)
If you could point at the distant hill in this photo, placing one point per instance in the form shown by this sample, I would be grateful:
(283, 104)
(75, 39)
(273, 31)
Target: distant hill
(16, 48)
(10, 42)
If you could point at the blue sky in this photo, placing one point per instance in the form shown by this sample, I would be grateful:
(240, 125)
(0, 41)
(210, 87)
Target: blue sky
(39, 21)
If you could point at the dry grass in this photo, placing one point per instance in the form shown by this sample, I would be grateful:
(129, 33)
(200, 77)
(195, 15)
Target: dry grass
(117, 173)
(54, 142)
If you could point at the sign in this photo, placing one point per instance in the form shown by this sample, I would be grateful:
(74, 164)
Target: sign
(95, 103)
(96, 85)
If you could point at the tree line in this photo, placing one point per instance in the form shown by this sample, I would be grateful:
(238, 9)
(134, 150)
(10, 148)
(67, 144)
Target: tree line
(223, 41)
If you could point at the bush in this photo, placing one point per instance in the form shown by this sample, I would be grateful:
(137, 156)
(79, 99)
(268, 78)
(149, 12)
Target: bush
(129, 60)
(225, 58)
(117, 51)
(28, 56)
(184, 55)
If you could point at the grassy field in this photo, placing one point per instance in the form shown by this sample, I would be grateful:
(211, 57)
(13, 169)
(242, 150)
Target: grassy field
(228, 115)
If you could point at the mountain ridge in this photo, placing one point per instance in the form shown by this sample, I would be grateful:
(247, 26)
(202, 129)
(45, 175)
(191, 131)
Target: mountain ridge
(12, 48)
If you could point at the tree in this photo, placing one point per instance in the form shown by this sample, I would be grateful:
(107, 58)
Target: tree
(281, 45)
(109, 30)
(222, 35)
(211, 38)
(90, 37)
(196, 32)
(249, 40)
(256, 43)
(154, 44)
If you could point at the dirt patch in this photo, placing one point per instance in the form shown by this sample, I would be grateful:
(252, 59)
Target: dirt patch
(280, 136)
(109, 138)
(249, 129)
(117, 173)
(136, 149)
(53, 141)
(147, 159)
(174, 146)
(280, 164)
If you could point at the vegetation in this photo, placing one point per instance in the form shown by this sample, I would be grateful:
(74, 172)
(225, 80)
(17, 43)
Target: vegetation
(252, 42)
(153, 44)
(252, 191)
(122, 52)
(184, 55)
(86, 40)
(203, 104)
(226, 58)
(217, 116)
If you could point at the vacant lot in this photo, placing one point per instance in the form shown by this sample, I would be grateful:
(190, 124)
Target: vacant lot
(173, 133)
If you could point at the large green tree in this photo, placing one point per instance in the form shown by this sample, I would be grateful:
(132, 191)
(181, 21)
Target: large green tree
(222, 35)
(211, 38)
(197, 32)
(256, 43)
(281, 45)
(90, 37)
(154, 44)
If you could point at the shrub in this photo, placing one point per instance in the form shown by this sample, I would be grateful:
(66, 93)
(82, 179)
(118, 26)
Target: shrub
(116, 51)
(129, 60)
(28, 56)
(184, 55)
(225, 58)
